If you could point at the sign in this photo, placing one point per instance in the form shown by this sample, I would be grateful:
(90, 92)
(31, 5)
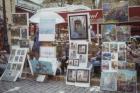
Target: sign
(96, 16)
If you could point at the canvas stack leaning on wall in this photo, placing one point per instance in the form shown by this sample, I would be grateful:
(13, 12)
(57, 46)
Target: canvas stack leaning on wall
(78, 72)
(15, 64)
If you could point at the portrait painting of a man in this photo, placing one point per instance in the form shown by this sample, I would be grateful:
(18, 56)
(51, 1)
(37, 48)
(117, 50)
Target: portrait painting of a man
(78, 26)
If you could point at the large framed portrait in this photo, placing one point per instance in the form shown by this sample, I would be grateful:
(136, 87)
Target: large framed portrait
(20, 19)
(82, 48)
(78, 26)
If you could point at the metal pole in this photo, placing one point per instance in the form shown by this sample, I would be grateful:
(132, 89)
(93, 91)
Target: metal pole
(6, 45)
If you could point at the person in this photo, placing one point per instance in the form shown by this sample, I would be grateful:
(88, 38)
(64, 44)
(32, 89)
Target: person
(79, 31)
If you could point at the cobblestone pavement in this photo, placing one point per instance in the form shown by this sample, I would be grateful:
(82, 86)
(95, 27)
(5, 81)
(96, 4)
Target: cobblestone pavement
(31, 86)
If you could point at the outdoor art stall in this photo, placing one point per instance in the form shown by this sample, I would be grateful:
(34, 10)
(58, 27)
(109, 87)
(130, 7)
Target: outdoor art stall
(73, 42)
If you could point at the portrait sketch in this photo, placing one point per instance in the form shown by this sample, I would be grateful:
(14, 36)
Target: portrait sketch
(82, 49)
(82, 75)
(78, 27)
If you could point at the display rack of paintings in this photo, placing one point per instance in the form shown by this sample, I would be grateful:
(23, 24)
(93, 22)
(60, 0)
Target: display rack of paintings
(113, 56)
(19, 32)
(115, 12)
(15, 64)
(78, 76)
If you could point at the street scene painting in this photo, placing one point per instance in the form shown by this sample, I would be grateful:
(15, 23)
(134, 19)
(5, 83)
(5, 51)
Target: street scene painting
(109, 33)
(115, 12)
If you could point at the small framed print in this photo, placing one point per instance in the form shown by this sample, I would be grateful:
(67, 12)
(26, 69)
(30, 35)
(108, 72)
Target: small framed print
(16, 58)
(76, 62)
(82, 49)
(18, 67)
(18, 52)
(23, 33)
(22, 52)
(24, 43)
(21, 59)
(82, 75)
(106, 56)
(70, 62)
(14, 66)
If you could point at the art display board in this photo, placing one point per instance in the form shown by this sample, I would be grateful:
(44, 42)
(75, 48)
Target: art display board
(19, 31)
(108, 81)
(113, 56)
(115, 12)
(111, 33)
(78, 53)
(47, 29)
(15, 64)
(79, 26)
(48, 51)
(127, 81)
(78, 76)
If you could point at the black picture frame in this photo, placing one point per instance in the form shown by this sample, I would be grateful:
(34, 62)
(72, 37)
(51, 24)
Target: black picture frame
(82, 49)
(76, 62)
(70, 76)
(71, 62)
(78, 26)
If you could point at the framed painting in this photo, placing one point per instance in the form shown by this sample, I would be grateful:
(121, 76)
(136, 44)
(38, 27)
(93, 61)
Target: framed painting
(109, 33)
(115, 12)
(106, 56)
(108, 81)
(20, 19)
(70, 62)
(24, 33)
(24, 43)
(82, 49)
(71, 75)
(123, 33)
(105, 65)
(78, 26)
(105, 47)
(76, 62)
(82, 75)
